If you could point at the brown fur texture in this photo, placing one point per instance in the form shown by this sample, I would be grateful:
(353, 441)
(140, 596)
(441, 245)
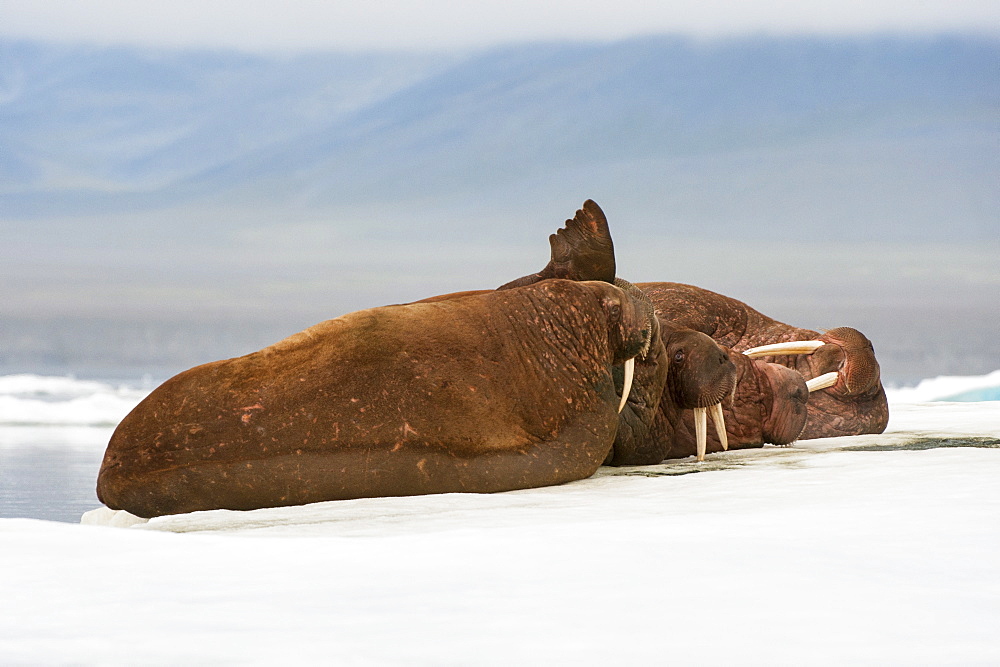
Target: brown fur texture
(490, 392)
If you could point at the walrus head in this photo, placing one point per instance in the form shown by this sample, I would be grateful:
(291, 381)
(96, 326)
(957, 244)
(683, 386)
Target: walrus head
(843, 360)
(700, 377)
(632, 327)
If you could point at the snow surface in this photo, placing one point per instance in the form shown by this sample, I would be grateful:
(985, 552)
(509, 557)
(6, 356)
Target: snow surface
(863, 550)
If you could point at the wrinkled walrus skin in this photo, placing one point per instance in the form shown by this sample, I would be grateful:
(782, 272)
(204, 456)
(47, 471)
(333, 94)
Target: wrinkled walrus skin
(492, 392)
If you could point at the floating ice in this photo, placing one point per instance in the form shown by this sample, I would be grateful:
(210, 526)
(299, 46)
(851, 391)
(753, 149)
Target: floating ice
(36, 400)
(950, 388)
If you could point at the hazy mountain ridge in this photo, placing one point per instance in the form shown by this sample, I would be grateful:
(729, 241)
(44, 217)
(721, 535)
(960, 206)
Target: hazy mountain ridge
(653, 124)
(142, 121)
(163, 208)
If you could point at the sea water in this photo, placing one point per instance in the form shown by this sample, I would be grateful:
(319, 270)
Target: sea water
(53, 432)
(50, 472)
(54, 429)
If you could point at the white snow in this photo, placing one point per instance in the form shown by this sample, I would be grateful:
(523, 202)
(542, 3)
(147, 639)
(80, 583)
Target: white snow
(816, 554)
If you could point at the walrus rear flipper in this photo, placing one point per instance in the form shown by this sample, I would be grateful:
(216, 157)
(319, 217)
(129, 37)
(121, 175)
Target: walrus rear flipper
(580, 250)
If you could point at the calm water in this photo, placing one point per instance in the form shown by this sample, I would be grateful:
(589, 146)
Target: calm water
(50, 472)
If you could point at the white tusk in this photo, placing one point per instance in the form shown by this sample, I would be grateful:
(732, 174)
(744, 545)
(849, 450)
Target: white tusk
(822, 381)
(627, 387)
(715, 412)
(794, 347)
(700, 431)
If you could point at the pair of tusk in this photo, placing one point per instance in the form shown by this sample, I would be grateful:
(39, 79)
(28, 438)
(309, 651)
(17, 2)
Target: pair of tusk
(701, 428)
(627, 387)
(797, 347)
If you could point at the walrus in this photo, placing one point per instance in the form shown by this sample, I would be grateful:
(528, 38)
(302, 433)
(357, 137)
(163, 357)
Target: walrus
(768, 406)
(839, 365)
(497, 391)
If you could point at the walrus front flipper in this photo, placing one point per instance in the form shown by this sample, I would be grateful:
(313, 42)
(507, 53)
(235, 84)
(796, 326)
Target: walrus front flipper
(581, 250)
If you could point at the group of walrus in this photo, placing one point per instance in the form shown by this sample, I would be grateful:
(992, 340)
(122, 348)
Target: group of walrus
(536, 383)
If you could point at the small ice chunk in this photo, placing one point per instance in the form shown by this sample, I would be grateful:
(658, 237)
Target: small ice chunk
(105, 516)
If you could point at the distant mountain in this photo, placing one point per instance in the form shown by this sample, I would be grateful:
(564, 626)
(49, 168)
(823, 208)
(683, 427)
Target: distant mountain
(163, 208)
(865, 138)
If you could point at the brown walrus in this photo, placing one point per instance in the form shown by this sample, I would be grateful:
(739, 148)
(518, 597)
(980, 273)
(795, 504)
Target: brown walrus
(839, 365)
(503, 390)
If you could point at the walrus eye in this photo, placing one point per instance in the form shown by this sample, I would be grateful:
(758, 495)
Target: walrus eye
(679, 355)
(616, 312)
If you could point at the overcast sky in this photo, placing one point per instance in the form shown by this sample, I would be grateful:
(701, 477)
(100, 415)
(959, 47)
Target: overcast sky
(433, 24)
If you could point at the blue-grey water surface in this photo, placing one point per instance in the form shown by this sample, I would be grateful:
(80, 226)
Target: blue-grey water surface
(50, 472)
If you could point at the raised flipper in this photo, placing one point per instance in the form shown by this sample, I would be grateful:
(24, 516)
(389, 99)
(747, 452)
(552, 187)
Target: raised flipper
(581, 250)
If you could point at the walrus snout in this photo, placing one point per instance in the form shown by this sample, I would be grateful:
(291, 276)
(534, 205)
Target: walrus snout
(641, 341)
(850, 354)
(638, 348)
(642, 316)
(635, 343)
(639, 328)
(701, 373)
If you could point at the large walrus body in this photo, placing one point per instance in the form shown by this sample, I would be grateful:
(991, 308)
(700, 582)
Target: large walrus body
(491, 392)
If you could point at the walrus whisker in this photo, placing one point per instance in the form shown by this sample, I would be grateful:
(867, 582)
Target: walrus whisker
(701, 431)
(627, 386)
(709, 396)
(715, 412)
(822, 381)
(793, 347)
